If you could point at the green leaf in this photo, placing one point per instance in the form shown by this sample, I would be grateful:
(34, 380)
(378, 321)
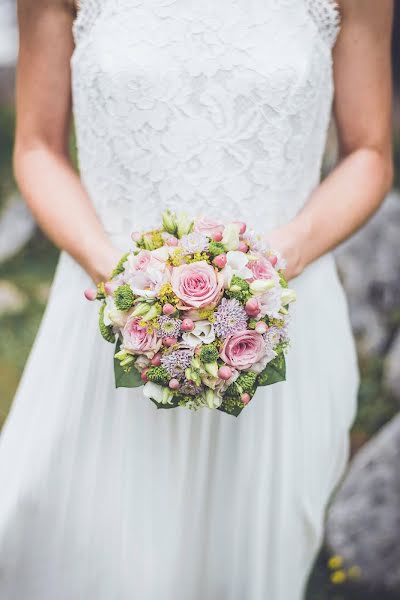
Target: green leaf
(234, 411)
(274, 372)
(123, 378)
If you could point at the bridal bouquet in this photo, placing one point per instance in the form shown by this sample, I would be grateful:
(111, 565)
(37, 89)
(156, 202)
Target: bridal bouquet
(199, 314)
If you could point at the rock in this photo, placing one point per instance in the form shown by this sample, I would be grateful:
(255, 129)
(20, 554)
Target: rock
(369, 263)
(16, 227)
(363, 524)
(12, 300)
(392, 370)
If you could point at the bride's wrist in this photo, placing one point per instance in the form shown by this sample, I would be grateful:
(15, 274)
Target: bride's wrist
(102, 262)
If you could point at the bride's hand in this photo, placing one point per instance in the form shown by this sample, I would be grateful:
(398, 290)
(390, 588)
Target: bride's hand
(289, 242)
(102, 263)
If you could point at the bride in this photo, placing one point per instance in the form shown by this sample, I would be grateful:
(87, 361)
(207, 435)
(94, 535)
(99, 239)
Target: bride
(219, 108)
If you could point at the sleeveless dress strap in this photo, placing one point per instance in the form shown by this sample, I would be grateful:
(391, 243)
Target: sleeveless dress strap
(327, 17)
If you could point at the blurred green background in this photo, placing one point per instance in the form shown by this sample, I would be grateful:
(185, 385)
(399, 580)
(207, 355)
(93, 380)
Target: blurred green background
(28, 260)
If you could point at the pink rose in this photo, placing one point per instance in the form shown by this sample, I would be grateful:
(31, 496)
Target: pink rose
(244, 350)
(208, 227)
(137, 339)
(262, 269)
(140, 262)
(197, 285)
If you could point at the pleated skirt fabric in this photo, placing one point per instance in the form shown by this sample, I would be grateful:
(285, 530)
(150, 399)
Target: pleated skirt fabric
(104, 497)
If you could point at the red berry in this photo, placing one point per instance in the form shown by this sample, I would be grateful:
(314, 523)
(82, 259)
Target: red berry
(246, 398)
(273, 260)
(168, 309)
(169, 341)
(187, 325)
(143, 375)
(156, 360)
(174, 384)
(217, 237)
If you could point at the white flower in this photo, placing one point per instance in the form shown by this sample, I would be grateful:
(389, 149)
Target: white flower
(230, 237)
(160, 394)
(113, 316)
(271, 303)
(162, 254)
(236, 265)
(260, 366)
(288, 296)
(212, 399)
(260, 286)
(203, 333)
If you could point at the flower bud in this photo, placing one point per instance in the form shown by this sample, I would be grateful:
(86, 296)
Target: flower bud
(261, 327)
(242, 226)
(169, 341)
(220, 261)
(245, 398)
(252, 307)
(288, 296)
(143, 375)
(174, 384)
(187, 325)
(136, 236)
(168, 309)
(156, 360)
(243, 247)
(217, 236)
(172, 241)
(225, 373)
(273, 259)
(110, 287)
(260, 286)
(90, 294)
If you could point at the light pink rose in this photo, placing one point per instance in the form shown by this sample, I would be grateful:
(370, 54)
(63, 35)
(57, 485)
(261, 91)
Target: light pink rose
(207, 226)
(137, 340)
(140, 262)
(262, 269)
(197, 285)
(244, 349)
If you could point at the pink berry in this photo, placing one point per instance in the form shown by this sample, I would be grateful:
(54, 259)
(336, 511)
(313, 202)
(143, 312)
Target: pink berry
(156, 360)
(273, 260)
(187, 325)
(217, 237)
(110, 287)
(246, 398)
(252, 307)
(242, 226)
(168, 309)
(172, 241)
(261, 327)
(90, 294)
(243, 247)
(143, 375)
(174, 384)
(220, 261)
(225, 373)
(169, 341)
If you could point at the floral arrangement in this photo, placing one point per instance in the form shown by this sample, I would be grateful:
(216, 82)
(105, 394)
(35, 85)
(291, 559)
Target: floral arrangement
(198, 311)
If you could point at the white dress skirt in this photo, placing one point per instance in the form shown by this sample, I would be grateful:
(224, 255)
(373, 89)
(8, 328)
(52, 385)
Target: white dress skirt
(104, 497)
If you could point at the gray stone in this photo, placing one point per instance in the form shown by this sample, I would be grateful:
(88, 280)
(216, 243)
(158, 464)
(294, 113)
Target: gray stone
(392, 369)
(16, 227)
(363, 524)
(369, 264)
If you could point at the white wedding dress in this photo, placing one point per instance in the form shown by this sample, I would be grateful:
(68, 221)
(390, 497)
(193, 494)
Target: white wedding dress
(218, 107)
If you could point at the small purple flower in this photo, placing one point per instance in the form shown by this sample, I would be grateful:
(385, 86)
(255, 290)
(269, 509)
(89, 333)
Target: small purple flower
(168, 327)
(177, 361)
(194, 242)
(230, 317)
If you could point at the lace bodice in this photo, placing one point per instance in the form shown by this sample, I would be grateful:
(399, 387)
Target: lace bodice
(219, 108)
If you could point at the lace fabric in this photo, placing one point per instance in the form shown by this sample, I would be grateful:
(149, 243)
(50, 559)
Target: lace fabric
(220, 108)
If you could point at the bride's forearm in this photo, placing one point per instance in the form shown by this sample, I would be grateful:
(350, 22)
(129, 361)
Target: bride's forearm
(336, 209)
(62, 208)
(342, 203)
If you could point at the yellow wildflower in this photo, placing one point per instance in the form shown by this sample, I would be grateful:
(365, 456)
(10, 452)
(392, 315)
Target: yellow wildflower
(338, 577)
(354, 572)
(335, 562)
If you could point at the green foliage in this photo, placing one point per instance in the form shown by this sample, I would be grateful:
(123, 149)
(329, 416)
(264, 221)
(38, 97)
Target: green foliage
(158, 375)
(216, 248)
(105, 330)
(239, 289)
(120, 266)
(246, 382)
(124, 297)
(126, 378)
(232, 406)
(274, 372)
(208, 353)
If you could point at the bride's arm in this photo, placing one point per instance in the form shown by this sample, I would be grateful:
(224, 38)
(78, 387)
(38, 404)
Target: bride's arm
(357, 186)
(42, 165)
